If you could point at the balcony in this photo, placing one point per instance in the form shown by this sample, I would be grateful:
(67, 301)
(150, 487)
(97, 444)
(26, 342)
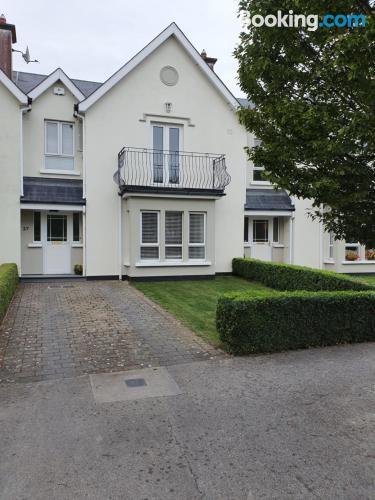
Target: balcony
(165, 172)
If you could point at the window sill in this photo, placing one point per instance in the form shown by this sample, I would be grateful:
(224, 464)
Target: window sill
(35, 245)
(77, 245)
(173, 263)
(59, 172)
(358, 262)
(260, 183)
(277, 245)
(328, 261)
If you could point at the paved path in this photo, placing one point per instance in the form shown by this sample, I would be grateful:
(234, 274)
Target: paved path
(293, 426)
(63, 329)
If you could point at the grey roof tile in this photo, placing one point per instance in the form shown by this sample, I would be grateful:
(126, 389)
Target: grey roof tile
(28, 81)
(268, 199)
(47, 190)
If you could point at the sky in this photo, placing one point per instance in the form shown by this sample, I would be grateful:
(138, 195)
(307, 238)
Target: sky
(90, 40)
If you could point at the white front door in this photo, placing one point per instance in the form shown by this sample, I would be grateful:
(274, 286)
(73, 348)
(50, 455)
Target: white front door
(57, 246)
(261, 243)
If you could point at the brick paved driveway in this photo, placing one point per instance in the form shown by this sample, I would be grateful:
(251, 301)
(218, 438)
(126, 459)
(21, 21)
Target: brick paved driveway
(64, 329)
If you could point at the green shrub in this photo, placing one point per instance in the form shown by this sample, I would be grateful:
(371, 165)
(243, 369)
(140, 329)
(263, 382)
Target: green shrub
(294, 320)
(8, 285)
(288, 277)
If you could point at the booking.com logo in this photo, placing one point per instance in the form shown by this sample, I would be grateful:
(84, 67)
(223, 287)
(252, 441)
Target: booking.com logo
(311, 21)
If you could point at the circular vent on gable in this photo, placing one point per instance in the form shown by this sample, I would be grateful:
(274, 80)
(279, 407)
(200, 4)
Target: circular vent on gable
(169, 75)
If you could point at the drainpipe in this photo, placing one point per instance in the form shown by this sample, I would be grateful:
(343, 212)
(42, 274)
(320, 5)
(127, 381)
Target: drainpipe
(291, 238)
(84, 239)
(82, 118)
(120, 237)
(321, 240)
(22, 111)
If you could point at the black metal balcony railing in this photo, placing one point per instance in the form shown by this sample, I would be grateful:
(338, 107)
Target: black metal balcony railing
(164, 171)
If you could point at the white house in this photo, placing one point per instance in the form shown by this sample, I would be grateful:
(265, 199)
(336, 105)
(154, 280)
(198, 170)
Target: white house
(142, 176)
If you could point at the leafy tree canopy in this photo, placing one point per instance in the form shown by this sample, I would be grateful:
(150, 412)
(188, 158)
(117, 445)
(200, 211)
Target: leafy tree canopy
(314, 110)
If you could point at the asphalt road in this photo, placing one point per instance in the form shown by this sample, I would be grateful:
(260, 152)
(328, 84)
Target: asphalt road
(298, 425)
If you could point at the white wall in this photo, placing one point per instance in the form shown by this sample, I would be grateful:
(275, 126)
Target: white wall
(122, 117)
(306, 250)
(10, 247)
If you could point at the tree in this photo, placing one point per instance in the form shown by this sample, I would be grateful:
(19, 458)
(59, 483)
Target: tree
(314, 110)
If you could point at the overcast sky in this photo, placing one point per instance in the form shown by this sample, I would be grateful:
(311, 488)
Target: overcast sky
(91, 39)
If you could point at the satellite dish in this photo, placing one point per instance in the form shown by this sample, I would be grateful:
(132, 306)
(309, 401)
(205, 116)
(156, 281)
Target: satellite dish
(26, 55)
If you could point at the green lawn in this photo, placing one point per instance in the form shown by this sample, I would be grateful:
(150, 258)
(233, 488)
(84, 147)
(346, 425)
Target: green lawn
(194, 302)
(369, 278)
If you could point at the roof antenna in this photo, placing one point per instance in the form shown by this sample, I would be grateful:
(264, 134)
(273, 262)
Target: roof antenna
(26, 55)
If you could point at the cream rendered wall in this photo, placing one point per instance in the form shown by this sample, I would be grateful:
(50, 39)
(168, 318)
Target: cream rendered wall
(133, 207)
(307, 233)
(32, 257)
(48, 107)
(10, 244)
(122, 117)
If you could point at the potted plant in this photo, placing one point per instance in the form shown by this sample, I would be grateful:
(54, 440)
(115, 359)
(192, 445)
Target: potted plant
(351, 255)
(78, 269)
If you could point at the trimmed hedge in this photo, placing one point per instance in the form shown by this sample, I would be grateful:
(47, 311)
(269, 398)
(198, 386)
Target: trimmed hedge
(294, 320)
(288, 277)
(8, 285)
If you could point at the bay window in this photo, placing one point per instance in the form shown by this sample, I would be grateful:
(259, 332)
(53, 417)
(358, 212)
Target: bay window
(150, 235)
(173, 235)
(197, 236)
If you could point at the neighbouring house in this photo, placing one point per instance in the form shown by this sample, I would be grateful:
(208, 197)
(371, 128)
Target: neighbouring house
(144, 175)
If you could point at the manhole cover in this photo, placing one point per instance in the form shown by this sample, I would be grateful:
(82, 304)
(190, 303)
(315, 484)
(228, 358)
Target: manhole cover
(135, 382)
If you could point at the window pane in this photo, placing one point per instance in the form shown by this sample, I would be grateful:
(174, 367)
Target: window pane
(275, 229)
(174, 160)
(173, 252)
(258, 174)
(173, 228)
(158, 153)
(76, 218)
(59, 163)
(149, 252)
(52, 138)
(246, 229)
(37, 226)
(370, 254)
(67, 139)
(56, 227)
(260, 231)
(196, 228)
(196, 252)
(149, 227)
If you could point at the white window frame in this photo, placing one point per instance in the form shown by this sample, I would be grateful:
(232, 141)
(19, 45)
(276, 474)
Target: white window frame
(269, 223)
(173, 245)
(166, 126)
(59, 153)
(358, 246)
(257, 168)
(158, 234)
(331, 242)
(204, 235)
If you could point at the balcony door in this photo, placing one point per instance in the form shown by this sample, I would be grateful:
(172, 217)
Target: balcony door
(166, 145)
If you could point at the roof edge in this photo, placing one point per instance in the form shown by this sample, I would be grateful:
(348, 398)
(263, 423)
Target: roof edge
(171, 30)
(13, 89)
